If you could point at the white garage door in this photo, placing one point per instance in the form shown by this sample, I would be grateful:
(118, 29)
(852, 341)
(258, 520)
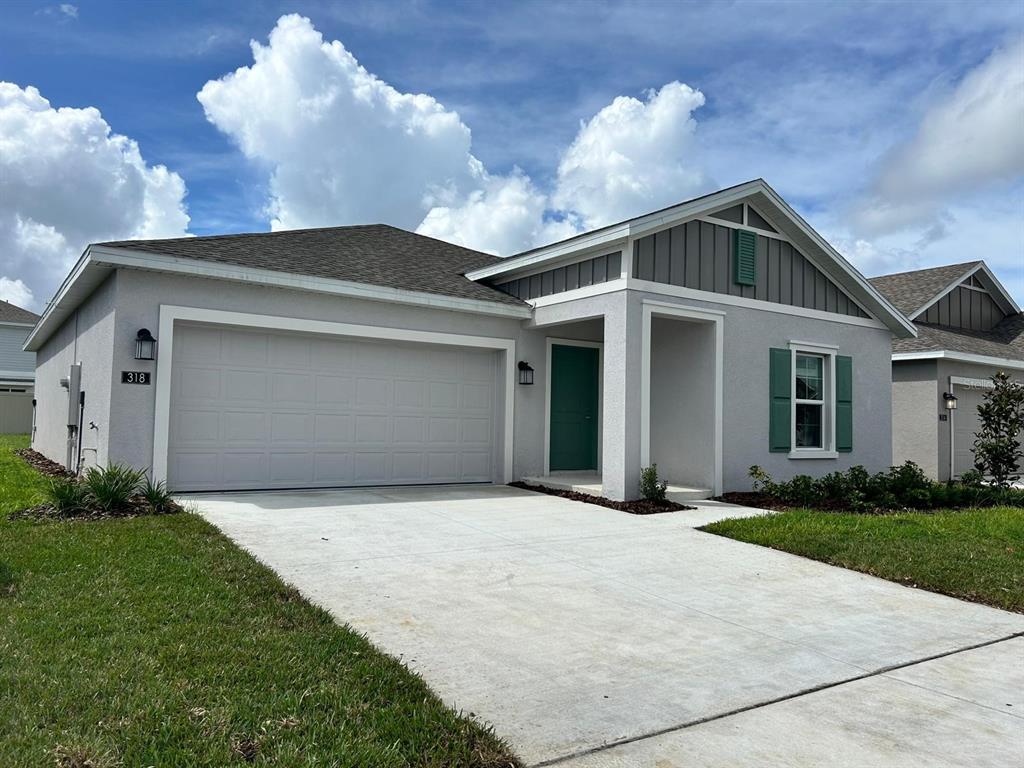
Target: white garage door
(270, 410)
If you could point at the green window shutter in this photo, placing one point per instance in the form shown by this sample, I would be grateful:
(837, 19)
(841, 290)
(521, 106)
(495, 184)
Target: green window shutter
(780, 393)
(744, 257)
(844, 404)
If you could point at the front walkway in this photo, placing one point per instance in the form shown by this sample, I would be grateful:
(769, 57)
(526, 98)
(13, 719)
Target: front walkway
(591, 637)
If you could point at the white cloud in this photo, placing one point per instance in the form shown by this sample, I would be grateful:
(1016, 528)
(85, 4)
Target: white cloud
(970, 139)
(343, 147)
(69, 10)
(15, 292)
(67, 180)
(632, 157)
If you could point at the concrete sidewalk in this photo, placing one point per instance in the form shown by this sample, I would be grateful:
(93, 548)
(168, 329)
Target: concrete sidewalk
(570, 627)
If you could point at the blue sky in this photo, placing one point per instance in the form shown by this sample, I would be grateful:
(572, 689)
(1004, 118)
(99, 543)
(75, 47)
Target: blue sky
(896, 129)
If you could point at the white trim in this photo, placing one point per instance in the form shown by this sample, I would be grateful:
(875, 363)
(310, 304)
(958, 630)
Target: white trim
(599, 345)
(170, 314)
(589, 241)
(665, 309)
(828, 401)
(54, 304)
(738, 301)
(961, 357)
(1007, 300)
(24, 375)
(609, 286)
(708, 219)
(123, 257)
(641, 225)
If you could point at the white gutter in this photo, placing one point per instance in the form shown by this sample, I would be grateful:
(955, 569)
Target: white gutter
(101, 257)
(961, 357)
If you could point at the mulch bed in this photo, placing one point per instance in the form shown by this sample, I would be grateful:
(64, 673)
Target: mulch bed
(638, 507)
(41, 464)
(137, 506)
(753, 499)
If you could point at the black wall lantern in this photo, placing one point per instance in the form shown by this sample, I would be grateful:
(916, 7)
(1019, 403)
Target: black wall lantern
(525, 372)
(145, 345)
(950, 401)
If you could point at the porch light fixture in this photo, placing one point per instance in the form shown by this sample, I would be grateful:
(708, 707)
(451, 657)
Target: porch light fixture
(525, 372)
(145, 345)
(950, 401)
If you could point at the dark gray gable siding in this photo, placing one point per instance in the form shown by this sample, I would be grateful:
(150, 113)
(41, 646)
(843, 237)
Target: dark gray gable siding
(599, 269)
(963, 307)
(698, 255)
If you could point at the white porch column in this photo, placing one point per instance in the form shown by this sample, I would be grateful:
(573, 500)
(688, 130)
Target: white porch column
(620, 465)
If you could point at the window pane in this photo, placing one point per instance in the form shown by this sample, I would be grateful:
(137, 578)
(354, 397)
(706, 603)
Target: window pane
(809, 377)
(808, 425)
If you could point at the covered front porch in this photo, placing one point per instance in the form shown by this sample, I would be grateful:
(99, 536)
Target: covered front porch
(637, 384)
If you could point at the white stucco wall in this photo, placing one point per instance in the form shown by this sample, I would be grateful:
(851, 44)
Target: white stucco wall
(124, 413)
(87, 338)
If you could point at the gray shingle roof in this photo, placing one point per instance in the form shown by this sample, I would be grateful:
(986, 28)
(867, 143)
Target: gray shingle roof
(373, 254)
(9, 313)
(909, 291)
(1005, 340)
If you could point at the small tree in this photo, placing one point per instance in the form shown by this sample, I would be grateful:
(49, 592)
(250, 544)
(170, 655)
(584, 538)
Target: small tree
(997, 450)
(651, 488)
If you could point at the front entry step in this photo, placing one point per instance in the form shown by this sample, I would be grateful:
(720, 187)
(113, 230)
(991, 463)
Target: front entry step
(588, 482)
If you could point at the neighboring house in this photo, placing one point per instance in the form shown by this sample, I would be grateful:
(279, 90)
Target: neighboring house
(968, 327)
(706, 337)
(17, 369)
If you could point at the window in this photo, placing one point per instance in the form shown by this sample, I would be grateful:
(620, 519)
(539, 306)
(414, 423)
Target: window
(809, 403)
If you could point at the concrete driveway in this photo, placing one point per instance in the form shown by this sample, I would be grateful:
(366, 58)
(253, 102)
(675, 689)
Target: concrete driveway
(589, 637)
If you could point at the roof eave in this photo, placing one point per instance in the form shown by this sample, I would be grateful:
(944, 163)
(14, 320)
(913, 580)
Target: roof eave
(99, 260)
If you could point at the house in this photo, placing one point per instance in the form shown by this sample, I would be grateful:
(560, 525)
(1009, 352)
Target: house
(968, 328)
(706, 337)
(17, 369)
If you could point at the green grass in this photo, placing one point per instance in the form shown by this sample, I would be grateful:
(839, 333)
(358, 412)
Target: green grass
(156, 641)
(974, 554)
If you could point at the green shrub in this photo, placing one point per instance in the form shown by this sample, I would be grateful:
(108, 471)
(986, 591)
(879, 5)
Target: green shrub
(67, 496)
(902, 487)
(112, 488)
(997, 447)
(156, 495)
(651, 488)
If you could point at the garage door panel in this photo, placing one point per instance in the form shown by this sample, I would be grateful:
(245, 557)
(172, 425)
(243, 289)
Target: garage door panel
(241, 348)
(297, 388)
(245, 427)
(198, 426)
(334, 427)
(195, 383)
(336, 390)
(243, 386)
(333, 468)
(269, 409)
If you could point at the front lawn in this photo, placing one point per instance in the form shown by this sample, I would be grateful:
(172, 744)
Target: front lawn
(974, 554)
(156, 641)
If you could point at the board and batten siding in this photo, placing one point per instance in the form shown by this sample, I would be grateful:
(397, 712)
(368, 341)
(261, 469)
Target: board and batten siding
(699, 255)
(580, 274)
(12, 358)
(963, 307)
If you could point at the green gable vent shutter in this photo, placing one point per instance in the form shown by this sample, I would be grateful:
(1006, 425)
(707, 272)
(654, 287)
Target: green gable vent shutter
(844, 404)
(780, 375)
(744, 262)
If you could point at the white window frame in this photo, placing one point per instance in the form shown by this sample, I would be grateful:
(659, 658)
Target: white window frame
(828, 429)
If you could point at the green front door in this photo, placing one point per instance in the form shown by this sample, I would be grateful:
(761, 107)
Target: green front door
(574, 407)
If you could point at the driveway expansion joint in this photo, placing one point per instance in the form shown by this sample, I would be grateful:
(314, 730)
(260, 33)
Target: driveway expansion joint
(881, 672)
